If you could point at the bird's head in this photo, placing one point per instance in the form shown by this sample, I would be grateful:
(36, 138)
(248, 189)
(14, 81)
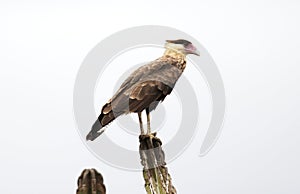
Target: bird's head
(182, 46)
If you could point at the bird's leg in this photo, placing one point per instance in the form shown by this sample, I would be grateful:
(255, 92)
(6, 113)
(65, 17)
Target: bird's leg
(141, 123)
(148, 121)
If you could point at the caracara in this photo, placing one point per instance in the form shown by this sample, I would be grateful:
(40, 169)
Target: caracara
(146, 87)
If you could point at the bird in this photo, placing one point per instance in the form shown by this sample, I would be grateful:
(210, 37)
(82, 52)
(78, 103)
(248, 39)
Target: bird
(146, 87)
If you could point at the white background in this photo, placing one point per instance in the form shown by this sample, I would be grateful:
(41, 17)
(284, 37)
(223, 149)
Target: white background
(255, 43)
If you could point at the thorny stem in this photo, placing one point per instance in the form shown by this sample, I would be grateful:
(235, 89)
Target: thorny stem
(156, 176)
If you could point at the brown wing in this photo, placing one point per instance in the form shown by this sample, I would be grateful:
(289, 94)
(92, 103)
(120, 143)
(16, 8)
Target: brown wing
(162, 69)
(149, 83)
(147, 95)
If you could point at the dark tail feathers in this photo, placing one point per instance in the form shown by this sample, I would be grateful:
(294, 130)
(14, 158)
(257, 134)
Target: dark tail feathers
(104, 119)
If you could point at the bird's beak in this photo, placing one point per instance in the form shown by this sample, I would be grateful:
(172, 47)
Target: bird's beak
(196, 52)
(191, 49)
